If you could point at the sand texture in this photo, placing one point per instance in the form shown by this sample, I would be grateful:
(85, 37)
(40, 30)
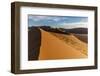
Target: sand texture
(61, 46)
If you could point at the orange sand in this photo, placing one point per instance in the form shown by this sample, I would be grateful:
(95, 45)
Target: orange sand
(53, 47)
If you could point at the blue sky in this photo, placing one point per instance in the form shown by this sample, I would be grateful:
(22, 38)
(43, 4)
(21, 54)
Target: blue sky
(58, 21)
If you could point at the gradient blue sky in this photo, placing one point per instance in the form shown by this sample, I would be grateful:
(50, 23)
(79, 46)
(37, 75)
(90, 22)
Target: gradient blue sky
(58, 21)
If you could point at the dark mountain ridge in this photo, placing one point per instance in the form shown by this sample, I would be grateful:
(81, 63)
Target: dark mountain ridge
(63, 30)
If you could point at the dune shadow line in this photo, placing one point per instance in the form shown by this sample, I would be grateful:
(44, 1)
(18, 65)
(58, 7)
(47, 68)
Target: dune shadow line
(34, 43)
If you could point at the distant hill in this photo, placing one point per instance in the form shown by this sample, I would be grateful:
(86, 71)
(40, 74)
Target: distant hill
(77, 30)
(62, 30)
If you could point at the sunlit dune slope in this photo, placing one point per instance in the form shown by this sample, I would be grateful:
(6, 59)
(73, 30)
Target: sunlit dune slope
(54, 47)
(73, 41)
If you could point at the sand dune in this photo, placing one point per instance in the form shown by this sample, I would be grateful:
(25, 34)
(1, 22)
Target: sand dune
(59, 46)
(73, 41)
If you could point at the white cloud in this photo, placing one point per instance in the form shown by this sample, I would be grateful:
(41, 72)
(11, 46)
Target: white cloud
(56, 19)
(74, 25)
(40, 17)
(34, 25)
(37, 18)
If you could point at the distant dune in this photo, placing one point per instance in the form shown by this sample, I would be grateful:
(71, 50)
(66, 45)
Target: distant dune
(61, 46)
(82, 37)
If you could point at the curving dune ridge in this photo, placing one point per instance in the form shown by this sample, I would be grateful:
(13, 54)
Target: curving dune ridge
(59, 46)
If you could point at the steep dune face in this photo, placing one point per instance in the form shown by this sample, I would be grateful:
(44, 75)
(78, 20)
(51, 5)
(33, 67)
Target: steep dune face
(54, 47)
(73, 41)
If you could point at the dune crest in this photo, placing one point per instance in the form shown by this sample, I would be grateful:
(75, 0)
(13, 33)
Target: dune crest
(55, 46)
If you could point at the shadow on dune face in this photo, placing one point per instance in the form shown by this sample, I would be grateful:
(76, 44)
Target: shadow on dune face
(34, 43)
(39, 36)
(82, 37)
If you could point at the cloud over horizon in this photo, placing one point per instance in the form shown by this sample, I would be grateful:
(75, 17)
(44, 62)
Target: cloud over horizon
(58, 21)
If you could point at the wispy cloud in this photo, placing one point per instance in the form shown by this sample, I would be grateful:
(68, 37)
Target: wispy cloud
(58, 21)
(75, 25)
